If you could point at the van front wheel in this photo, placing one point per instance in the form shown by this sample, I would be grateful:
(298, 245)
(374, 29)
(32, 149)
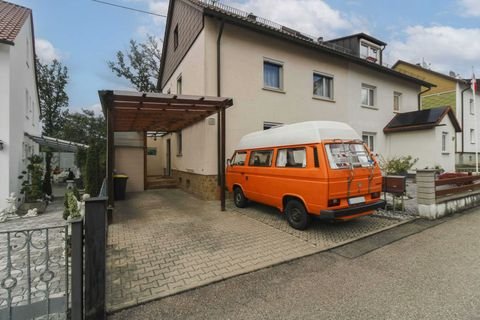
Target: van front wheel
(239, 198)
(297, 216)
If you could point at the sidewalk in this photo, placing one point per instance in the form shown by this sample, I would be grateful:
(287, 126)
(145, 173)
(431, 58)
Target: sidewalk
(433, 274)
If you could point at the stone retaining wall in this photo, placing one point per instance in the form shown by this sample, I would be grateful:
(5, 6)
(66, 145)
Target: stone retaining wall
(203, 186)
(432, 207)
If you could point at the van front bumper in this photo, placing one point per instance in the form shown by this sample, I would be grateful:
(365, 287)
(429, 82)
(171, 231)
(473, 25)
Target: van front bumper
(351, 211)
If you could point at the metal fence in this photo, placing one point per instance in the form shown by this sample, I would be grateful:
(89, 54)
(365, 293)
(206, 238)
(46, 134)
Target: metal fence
(34, 273)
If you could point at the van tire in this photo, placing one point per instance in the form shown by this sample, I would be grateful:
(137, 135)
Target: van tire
(239, 198)
(297, 216)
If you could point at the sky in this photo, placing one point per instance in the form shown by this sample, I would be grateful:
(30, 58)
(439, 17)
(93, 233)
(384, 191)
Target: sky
(84, 35)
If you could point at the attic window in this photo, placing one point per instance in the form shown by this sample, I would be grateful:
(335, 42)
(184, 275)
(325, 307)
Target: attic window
(175, 37)
(369, 52)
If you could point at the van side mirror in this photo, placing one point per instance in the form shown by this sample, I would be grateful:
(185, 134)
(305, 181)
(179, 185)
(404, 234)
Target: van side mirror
(229, 162)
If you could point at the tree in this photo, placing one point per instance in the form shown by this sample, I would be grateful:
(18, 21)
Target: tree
(94, 172)
(90, 129)
(52, 81)
(140, 64)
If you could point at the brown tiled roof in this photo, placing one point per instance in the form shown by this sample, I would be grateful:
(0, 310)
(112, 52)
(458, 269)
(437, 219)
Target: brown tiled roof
(12, 18)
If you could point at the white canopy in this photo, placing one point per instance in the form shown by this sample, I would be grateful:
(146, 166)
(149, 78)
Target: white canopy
(298, 133)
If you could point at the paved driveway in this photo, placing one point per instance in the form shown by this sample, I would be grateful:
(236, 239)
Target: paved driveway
(166, 241)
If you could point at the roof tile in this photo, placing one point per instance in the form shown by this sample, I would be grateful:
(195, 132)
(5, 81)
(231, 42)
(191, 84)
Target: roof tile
(12, 18)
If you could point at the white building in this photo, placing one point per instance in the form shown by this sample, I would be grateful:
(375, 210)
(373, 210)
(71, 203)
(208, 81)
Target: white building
(19, 103)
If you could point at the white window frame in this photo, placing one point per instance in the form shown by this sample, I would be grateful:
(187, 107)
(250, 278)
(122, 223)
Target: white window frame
(397, 101)
(472, 107)
(370, 51)
(370, 88)
(330, 81)
(472, 136)
(444, 141)
(27, 104)
(370, 141)
(280, 74)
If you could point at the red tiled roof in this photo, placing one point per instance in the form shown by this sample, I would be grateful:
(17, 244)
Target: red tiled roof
(12, 18)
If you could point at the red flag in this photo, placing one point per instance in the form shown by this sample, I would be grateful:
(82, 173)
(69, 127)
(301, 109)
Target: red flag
(473, 83)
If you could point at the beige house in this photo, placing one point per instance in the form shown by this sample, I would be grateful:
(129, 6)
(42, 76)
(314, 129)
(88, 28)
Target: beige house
(275, 75)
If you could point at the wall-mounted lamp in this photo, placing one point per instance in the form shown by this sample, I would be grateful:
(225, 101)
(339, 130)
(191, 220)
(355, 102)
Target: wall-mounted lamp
(1, 145)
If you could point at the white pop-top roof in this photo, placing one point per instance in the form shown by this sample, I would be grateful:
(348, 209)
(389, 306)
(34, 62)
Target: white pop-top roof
(298, 133)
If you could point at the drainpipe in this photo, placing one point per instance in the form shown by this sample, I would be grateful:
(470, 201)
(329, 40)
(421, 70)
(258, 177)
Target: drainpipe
(219, 94)
(419, 96)
(463, 117)
(381, 54)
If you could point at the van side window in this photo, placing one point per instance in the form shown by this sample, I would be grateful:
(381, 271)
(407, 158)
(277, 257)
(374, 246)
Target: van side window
(239, 159)
(262, 158)
(293, 158)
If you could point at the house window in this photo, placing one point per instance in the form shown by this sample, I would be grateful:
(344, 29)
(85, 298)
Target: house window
(368, 95)
(179, 85)
(179, 143)
(472, 107)
(272, 75)
(397, 97)
(369, 52)
(472, 136)
(322, 86)
(175, 38)
(151, 151)
(269, 125)
(369, 139)
(293, 158)
(28, 53)
(261, 158)
(444, 141)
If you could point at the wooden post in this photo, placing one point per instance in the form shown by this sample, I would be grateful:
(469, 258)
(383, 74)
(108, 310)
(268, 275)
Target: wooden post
(222, 161)
(77, 268)
(110, 155)
(95, 258)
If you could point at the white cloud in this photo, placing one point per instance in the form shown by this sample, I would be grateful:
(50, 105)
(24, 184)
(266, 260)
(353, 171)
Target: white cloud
(446, 48)
(45, 50)
(314, 17)
(470, 8)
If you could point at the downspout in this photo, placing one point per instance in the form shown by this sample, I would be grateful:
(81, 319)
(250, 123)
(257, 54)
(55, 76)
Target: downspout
(219, 94)
(420, 95)
(463, 117)
(381, 54)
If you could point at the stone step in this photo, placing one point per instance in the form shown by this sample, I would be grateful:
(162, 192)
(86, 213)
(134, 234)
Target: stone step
(161, 182)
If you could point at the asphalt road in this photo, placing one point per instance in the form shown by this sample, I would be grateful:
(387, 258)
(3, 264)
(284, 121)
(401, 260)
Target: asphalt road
(433, 274)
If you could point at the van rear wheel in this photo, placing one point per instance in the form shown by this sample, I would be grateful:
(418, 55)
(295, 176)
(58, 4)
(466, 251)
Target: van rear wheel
(239, 198)
(297, 216)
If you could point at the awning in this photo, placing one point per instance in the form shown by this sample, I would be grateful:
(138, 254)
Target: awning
(57, 144)
(141, 111)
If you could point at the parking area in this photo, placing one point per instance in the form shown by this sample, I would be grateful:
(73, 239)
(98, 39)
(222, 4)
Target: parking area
(166, 241)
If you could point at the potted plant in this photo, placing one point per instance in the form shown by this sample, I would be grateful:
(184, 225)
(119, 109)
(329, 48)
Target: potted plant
(32, 186)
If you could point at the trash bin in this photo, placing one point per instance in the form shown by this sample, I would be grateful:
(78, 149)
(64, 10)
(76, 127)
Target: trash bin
(119, 186)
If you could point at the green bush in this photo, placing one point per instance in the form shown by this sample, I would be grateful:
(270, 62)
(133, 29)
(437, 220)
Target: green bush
(94, 170)
(397, 165)
(71, 209)
(32, 179)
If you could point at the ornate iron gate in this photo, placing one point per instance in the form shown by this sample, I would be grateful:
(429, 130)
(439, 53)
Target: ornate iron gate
(34, 273)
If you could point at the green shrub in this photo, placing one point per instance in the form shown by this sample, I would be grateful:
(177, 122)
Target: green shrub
(397, 165)
(32, 179)
(71, 209)
(94, 170)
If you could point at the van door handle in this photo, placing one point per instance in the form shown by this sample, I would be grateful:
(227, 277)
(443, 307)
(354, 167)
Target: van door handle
(246, 177)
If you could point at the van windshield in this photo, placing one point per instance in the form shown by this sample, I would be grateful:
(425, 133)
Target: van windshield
(344, 155)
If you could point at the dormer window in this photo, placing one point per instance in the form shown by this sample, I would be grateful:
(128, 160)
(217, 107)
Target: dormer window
(369, 51)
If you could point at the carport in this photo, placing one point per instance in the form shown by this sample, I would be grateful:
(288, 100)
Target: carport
(128, 111)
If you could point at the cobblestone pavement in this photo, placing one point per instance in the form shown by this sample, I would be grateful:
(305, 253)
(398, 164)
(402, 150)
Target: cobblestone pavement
(36, 256)
(166, 241)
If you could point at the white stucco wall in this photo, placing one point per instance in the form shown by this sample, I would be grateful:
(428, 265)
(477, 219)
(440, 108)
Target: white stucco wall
(242, 56)
(468, 118)
(4, 121)
(155, 164)
(17, 89)
(426, 145)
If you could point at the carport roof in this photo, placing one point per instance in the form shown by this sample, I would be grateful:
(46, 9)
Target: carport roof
(57, 144)
(142, 111)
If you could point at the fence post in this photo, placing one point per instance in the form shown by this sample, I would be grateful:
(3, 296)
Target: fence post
(77, 268)
(95, 257)
(426, 198)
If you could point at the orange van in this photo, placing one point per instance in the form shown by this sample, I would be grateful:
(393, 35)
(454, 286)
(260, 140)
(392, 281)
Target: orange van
(314, 168)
